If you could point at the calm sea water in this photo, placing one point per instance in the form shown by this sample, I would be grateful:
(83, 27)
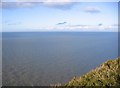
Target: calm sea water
(41, 59)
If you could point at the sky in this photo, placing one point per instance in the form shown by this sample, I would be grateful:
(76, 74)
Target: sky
(58, 15)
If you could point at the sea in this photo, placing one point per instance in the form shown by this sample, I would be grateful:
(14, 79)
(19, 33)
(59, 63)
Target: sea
(49, 58)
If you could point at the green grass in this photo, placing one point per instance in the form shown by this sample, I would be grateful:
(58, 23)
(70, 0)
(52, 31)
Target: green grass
(108, 74)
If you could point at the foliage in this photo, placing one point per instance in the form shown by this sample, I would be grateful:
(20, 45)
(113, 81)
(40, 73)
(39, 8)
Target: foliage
(108, 74)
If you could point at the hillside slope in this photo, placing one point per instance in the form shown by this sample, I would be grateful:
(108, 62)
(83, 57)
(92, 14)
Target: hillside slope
(108, 74)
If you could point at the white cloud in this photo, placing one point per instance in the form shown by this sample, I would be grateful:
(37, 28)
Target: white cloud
(59, 4)
(25, 4)
(56, 2)
(92, 9)
(60, 0)
(37, 0)
(14, 5)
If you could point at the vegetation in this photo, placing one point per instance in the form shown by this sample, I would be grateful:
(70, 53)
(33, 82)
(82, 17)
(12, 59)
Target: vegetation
(108, 74)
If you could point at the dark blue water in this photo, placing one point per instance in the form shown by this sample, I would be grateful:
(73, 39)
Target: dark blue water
(37, 59)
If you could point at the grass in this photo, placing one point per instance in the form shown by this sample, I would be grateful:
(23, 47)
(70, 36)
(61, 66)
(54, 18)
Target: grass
(108, 74)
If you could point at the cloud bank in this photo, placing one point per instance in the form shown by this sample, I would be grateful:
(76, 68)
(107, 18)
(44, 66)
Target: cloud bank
(15, 5)
(61, 0)
(58, 4)
(86, 28)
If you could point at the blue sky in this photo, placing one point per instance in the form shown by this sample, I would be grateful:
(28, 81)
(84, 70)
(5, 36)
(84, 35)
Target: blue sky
(59, 16)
